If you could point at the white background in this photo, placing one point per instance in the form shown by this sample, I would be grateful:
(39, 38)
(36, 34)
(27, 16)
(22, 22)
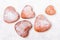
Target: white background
(7, 31)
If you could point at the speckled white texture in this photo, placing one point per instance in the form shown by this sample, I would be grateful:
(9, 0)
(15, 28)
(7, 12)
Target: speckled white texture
(10, 15)
(7, 31)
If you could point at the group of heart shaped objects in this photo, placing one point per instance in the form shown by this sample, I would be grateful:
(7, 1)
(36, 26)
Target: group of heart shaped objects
(22, 28)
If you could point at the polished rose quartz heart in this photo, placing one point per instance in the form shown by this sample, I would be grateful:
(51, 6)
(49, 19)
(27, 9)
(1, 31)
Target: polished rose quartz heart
(27, 12)
(23, 27)
(41, 23)
(10, 15)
